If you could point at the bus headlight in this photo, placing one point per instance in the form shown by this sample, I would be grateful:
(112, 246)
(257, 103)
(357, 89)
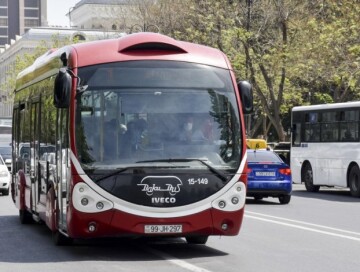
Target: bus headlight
(231, 200)
(99, 205)
(222, 204)
(85, 199)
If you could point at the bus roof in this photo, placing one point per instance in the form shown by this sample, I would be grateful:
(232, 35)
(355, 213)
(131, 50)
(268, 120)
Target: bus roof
(352, 104)
(143, 46)
(138, 46)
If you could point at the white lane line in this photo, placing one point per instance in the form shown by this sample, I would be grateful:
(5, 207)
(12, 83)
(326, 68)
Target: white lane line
(304, 223)
(175, 261)
(305, 228)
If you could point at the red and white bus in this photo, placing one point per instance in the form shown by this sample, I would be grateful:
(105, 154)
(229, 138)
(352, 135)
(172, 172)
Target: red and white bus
(138, 136)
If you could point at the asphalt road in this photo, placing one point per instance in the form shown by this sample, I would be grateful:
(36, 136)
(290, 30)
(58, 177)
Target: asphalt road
(315, 232)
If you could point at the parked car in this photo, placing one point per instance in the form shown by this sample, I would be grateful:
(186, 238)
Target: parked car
(5, 152)
(4, 178)
(268, 176)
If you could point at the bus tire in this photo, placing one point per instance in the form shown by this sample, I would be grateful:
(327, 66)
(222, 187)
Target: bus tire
(60, 239)
(307, 178)
(354, 181)
(199, 240)
(25, 217)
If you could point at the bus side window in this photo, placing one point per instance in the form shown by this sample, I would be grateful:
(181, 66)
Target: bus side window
(296, 134)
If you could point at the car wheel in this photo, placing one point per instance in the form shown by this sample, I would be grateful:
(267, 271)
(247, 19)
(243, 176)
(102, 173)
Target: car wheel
(200, 240)
(354, 181)
(284, 199)
(60, 239)
(6, 192)
(308, 179)
(25, 217)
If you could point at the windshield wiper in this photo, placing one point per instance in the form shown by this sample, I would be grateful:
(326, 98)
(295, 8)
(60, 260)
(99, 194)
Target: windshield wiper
(220, 174)
(120, 170)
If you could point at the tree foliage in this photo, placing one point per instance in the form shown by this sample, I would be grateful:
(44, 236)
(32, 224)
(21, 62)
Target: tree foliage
(26, 59)
(293, 52)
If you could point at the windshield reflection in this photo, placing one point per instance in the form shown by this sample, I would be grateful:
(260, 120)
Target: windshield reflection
(117, 126)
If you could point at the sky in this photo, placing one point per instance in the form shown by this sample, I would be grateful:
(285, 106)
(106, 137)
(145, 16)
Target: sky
(57, 10)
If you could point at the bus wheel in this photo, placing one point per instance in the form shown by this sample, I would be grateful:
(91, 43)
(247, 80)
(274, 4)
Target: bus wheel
(25, 217)
(60, 239)
(308, 179)
(354, 181)
(200, 240)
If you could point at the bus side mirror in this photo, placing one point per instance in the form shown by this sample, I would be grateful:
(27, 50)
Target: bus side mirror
(62, 89)
(246, 96)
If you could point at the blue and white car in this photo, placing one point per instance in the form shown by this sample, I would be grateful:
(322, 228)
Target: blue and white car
(4, 178)
(268, 176)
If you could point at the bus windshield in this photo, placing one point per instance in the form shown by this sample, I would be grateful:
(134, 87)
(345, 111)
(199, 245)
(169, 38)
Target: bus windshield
(151, 111)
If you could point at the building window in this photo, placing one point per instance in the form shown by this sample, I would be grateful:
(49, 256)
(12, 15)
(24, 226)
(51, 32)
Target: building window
(114, 27)
(31, 3)
(3, 3)
(31, 22)
(3, 12)
(32, 13)
(79, 37)
(3, 40)
(3, 31)
(3, 22)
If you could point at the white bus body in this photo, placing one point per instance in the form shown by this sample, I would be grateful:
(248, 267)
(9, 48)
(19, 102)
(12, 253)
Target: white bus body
(325, 146)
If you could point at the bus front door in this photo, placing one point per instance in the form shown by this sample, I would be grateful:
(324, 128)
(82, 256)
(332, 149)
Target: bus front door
(34, 154)
(63, 166)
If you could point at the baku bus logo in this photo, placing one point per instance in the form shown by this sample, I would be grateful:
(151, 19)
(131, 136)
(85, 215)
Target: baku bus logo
(153, 184)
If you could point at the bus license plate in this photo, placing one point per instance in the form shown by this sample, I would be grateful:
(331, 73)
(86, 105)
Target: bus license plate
(163, 228)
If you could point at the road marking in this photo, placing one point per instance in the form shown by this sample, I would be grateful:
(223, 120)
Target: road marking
(304, 223)
(175, 261)
(305, 228)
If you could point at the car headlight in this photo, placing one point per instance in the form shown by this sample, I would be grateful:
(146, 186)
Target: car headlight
(4, 173)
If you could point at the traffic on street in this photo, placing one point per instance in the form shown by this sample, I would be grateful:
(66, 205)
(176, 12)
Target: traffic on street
(314, 232)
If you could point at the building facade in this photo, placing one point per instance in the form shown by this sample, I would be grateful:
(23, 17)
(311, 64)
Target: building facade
(27, 44)
(18, 16)
(108, 15)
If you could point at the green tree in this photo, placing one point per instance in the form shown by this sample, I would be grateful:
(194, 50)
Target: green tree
(258, 38)
(26, 59)
(329, 59)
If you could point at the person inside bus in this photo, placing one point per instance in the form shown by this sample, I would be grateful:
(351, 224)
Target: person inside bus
(133, 136)
(194, 131)
(111, 136)
(348, 136)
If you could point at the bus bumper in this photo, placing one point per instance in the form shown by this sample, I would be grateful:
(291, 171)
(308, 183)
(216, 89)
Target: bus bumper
(115, 223)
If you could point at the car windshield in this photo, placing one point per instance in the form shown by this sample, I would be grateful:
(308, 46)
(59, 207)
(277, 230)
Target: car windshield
(157, 110)
(5, 152)
(267, 156)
